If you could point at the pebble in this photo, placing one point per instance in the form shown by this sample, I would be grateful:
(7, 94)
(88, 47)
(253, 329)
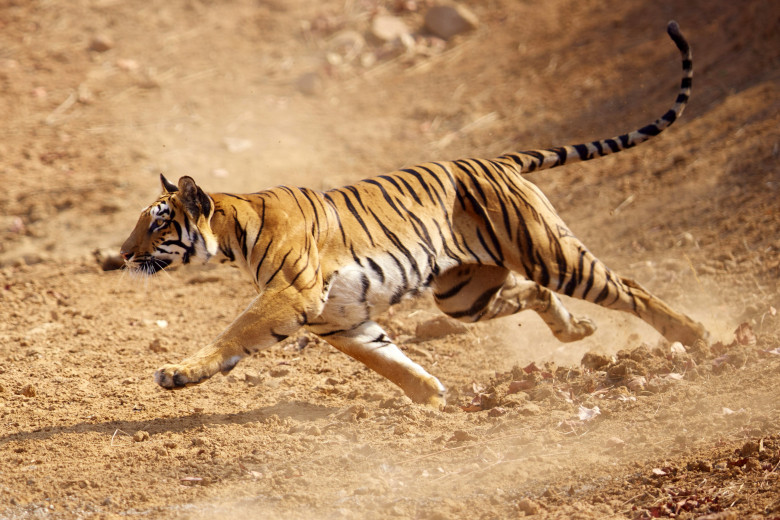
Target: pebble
(309, 84)
(387, 28)
(497, 411)
(28, 390)
(594, 361)
(101, 43)
(252, 377)
(528, 506)
(446, 21)
(279, 372)
(749, 448)
(157, 346)
(462, 436)
(529, 409)
(141, 436)
(439, 327)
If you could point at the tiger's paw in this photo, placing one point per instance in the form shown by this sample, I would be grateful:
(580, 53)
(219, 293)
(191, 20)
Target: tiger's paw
(576, 329)
(178, 376)
(429, 391)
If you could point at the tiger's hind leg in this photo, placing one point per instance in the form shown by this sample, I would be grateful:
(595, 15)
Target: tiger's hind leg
(587, 278)
(481, 292)
(370, 345)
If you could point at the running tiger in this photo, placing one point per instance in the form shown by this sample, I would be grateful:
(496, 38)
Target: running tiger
(484, 239)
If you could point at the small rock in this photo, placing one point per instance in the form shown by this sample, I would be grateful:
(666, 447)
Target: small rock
(446, 21)
(387, 28)
(141, 436)
(101, 43)
(309, 84)
(594, 361)
(514, 400)
(395, 403)
(498, 411)
(677, 348)
(749, 448)
(252, 377)
(157, 346)
(401, 429)
(528, 506)
(439, 327)
(279, 372)
(28, 390)
(687, 240)
(419, 352)
(529, 409)
(489, 401)
(705, 466)
(636, 383)
(128, 65)
(462, 436)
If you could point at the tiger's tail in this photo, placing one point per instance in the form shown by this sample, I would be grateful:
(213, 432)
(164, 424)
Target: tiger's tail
(533, 160)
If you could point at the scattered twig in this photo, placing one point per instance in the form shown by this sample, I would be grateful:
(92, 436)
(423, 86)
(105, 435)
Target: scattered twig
(62, 108)
(118, 431)
(623, 204)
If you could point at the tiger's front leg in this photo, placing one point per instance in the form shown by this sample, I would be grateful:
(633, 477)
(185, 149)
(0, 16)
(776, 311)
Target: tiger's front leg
(270, 318)
(370, 345)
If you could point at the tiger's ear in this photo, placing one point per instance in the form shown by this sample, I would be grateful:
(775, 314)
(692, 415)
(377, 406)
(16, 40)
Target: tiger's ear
(195, 200)
(167, 186)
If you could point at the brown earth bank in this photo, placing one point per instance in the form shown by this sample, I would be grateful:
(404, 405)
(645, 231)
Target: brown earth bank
(98, 97)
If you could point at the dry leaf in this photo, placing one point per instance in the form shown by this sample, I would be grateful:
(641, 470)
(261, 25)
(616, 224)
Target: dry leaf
(519, 386)
(587, 414)
(531, 368)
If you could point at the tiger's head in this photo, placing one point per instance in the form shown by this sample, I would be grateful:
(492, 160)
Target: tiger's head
(174, 230)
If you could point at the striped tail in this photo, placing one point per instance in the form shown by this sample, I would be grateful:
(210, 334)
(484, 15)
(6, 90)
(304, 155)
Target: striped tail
(532, 160)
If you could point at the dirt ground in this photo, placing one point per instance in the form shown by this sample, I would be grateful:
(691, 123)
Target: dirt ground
(100, 96)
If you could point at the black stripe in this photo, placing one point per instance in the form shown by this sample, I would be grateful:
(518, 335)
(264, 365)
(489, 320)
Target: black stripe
(421, 181)
(357, 216)
(451, 291)
(479, 304)
(330, 201)
(262, 259)
(582, 151)
(281, 265)
(651, 130)
(376, 268)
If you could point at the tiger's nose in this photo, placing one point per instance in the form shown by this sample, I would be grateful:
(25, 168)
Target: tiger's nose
(126, 255)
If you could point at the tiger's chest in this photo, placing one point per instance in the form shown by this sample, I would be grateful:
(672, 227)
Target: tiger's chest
(368, 286)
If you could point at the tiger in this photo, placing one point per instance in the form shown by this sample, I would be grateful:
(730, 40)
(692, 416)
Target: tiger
(477, 234)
